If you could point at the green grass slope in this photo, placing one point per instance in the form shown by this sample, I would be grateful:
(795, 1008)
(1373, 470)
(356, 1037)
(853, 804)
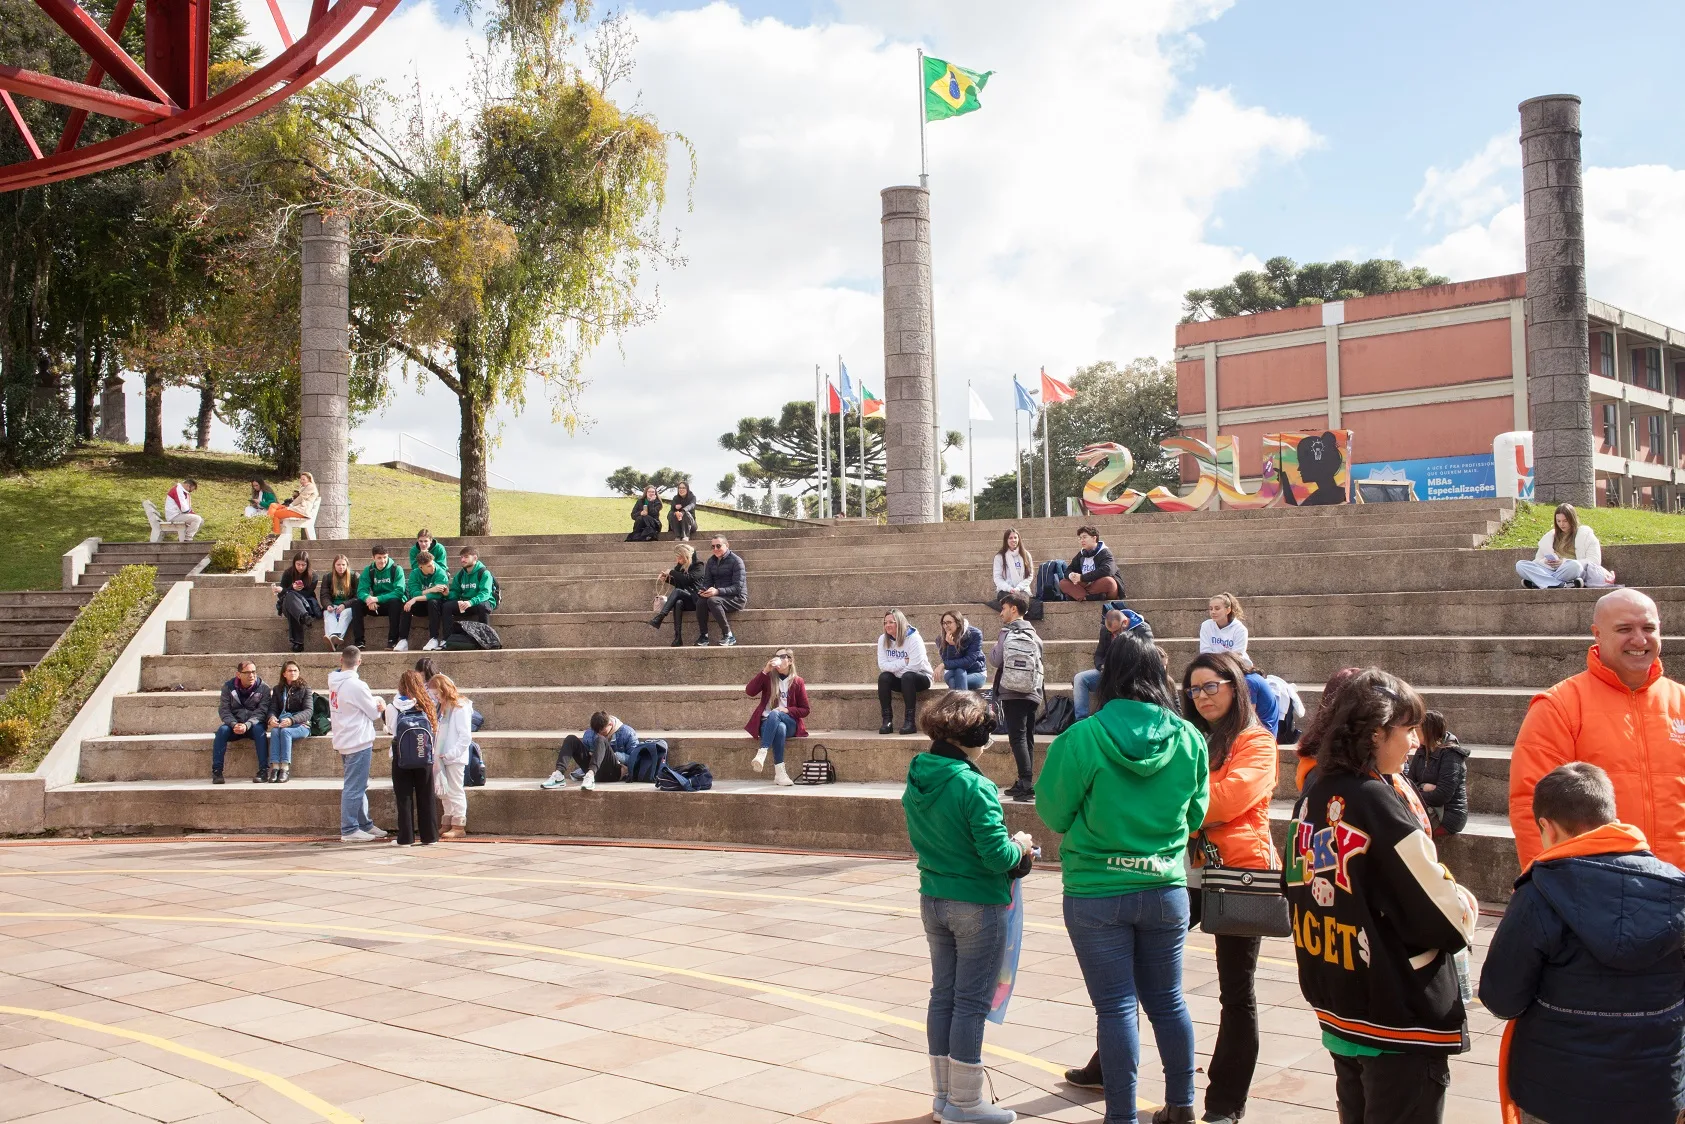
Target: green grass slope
(98, 492)
(1612, 524)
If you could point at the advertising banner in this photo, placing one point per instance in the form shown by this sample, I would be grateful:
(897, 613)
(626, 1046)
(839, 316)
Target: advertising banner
(1432, 478)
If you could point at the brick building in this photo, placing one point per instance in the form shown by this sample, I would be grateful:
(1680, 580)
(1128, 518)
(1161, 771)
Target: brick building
(1426, 379)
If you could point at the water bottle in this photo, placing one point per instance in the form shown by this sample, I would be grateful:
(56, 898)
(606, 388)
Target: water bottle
(1464, 984)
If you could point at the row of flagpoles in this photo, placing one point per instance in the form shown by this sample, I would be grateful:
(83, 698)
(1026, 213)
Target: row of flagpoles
(831, 401)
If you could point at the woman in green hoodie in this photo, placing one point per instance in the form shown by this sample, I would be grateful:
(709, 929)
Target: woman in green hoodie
(1126, 787)
(966, 865)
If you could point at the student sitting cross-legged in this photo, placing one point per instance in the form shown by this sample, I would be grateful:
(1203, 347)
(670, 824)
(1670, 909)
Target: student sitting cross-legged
(424, 592)
(1093, 574)
(244, 710)
(602, 751)
(471, 590)
(380, 593)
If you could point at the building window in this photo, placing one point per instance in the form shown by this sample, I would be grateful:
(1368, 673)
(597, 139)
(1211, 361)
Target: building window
(1606, 352)
(1658, 439)
(1609, 426)
(1653, 368)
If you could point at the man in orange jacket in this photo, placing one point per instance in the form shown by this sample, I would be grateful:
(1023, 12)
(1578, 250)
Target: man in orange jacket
(1621, 714)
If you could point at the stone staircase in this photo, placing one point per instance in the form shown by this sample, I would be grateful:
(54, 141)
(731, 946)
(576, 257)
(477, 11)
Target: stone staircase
(174, 560)
(31, 621)
(1394, 585)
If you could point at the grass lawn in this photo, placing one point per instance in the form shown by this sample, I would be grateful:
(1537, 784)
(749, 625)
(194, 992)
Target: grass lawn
(99, 489)
(1612, 524)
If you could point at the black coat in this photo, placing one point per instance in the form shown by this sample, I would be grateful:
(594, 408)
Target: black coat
(307, 595)
(682, 511)
(729, 576)
(295, 702)
(688, 579)
(646, 520)
(1104, 565)
(1447, 769)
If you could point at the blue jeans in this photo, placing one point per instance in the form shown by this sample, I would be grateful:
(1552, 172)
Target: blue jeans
(281, 740)
(966, 943)
(1130, 947)
(225, 733)
(1083, 686)
(958, 680)
(774, 729)
(354, 796)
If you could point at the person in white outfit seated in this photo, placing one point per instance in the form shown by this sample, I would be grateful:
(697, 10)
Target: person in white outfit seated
(904, 667)
(1224, 629)
(1569, 554)
(1014, 569)
(178, 510)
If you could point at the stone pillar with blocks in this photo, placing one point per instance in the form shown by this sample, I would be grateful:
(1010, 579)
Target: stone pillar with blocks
(324, 363)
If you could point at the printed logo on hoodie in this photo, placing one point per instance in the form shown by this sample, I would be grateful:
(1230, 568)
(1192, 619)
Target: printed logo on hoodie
(1144, 864)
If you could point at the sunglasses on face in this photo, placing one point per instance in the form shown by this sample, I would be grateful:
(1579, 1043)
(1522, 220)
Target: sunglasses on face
(1209, 690)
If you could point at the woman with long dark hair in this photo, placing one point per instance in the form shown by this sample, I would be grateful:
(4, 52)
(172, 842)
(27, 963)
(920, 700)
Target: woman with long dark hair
(1014, 568)
(295, 598)
(1126, 788)
(681, 515)
(646, 516)
(291, 704)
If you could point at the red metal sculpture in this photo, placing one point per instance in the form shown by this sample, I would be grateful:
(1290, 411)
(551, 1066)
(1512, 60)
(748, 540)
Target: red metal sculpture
(168, 98)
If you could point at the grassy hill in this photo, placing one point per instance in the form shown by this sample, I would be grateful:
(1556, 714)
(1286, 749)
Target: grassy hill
(1612, 524)
(98, 492)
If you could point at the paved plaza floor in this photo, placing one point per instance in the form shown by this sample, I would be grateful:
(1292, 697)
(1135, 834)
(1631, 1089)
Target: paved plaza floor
(506, 983)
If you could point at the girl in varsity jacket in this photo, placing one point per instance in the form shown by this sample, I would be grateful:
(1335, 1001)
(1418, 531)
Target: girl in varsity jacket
(1376, 918)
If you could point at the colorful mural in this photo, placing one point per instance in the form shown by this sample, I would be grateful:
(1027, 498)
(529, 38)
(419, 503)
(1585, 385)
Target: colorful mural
(1300, 470)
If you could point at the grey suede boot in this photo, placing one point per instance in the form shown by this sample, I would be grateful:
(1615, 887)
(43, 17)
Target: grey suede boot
(938, 1085)
(967, 1102)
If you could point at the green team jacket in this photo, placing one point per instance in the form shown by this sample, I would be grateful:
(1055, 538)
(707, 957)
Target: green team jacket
(418, 581)
(955, 821)
(437, 550)
(1126, 787)
(472, 584)
(383, 585)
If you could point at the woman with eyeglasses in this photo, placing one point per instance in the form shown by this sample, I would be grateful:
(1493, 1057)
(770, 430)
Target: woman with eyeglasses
(1126, 788)
(779, 713)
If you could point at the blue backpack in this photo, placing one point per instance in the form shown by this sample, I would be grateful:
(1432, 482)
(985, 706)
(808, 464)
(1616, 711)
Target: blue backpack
(412, 741)
(1048, 577)
(644, 762)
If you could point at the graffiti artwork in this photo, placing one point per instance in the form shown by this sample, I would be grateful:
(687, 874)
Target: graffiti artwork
(1300, 470)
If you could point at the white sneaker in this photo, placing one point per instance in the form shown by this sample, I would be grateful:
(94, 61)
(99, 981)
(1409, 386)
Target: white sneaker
(357, 837)
(760, 759)
(431, 646)
(403, 646)
(555, 780)
(589, 784)
(377, 833)
(780, 776)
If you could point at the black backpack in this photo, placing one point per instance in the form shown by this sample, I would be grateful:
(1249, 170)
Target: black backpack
(412, 741)
(472, 635)
(695, 777)
(1057, 716)
(1048, 576)
(474, 773)
(496, 595)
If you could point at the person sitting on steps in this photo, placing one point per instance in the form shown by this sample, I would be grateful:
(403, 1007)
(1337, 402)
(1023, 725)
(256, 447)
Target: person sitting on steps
(471, 590)
(291, 704)
(1224, 629)
(646, 516)
(725, 590)
(603, 752)
(295, 598)
(1019, 682)
(684, 582)
(425, 543)
(1093, 575)
(779, 713)
(1014, 568)
(336, 597)
(1439, 771)
(902, 666)
(961, 649)
(426, 587)
(681, 514)
(1085, 683)
(244, 710)
(380, 593)
(1569, 554)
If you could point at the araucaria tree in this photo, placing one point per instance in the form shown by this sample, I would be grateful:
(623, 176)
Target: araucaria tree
(514, 234)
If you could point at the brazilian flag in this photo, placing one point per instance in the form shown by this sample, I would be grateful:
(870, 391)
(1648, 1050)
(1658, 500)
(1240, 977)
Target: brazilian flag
(950, 90)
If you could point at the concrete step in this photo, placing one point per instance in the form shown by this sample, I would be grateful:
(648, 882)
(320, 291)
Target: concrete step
(167, 551)
(1479, 715)
(30, 633)
(1308, 661)
(22, 657)
(844, 817)
(16, 602)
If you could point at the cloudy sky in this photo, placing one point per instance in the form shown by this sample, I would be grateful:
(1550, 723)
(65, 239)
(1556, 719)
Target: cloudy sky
(1125, 152)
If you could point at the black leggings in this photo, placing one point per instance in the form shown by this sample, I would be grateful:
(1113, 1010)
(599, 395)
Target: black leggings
(1021, 733)
(1235, 1056)
(413, 790)
(909, 684)
(679, 601)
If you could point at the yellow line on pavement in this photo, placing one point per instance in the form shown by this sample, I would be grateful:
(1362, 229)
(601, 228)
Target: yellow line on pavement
(520, 946)
(280, 1084)
(584, 883)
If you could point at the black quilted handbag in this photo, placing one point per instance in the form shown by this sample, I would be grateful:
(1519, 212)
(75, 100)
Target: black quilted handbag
(817, 769)
(1240, 903)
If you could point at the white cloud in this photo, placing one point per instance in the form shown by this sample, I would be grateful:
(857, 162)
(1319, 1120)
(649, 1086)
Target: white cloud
(1069, 215)
(1474, 189)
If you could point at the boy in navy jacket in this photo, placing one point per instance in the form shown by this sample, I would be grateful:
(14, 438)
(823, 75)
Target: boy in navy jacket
(1587, 962)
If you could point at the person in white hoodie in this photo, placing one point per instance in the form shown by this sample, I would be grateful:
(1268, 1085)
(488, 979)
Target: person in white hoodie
(1014, 568)
(1569, 554)
(352, 708)
(178, 510)
(450, 754)
(903, 665)
(1224, 629)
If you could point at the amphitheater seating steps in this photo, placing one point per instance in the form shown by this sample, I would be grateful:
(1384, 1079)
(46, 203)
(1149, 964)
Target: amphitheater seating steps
(1324, 588)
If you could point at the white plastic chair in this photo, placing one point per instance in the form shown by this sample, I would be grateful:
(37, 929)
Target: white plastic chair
(153, 518)
(306, 528)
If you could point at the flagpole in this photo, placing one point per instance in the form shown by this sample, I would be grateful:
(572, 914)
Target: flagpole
(924, 170)
(842, 448)
(971, 456)
(818, 443)
(862, 451)
(1017, 455)
(1046, 465)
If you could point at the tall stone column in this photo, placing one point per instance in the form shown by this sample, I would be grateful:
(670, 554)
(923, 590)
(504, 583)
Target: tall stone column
(324, 362)
(909, 368)
(113, 408)
(1558, 357)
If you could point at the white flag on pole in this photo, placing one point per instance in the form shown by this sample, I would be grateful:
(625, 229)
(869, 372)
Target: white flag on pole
(979, 412)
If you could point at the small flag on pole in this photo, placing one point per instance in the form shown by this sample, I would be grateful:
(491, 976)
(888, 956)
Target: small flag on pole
(870, 405)
(834, 403)
(1023, 399)
(848, 395)
(979, 412)
(1052, 390)
(950, 90)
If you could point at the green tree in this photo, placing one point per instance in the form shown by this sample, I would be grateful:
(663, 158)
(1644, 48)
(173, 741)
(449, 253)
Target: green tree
(1133, 405)
(1286, 284)
(628, 481)
(785, 450)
